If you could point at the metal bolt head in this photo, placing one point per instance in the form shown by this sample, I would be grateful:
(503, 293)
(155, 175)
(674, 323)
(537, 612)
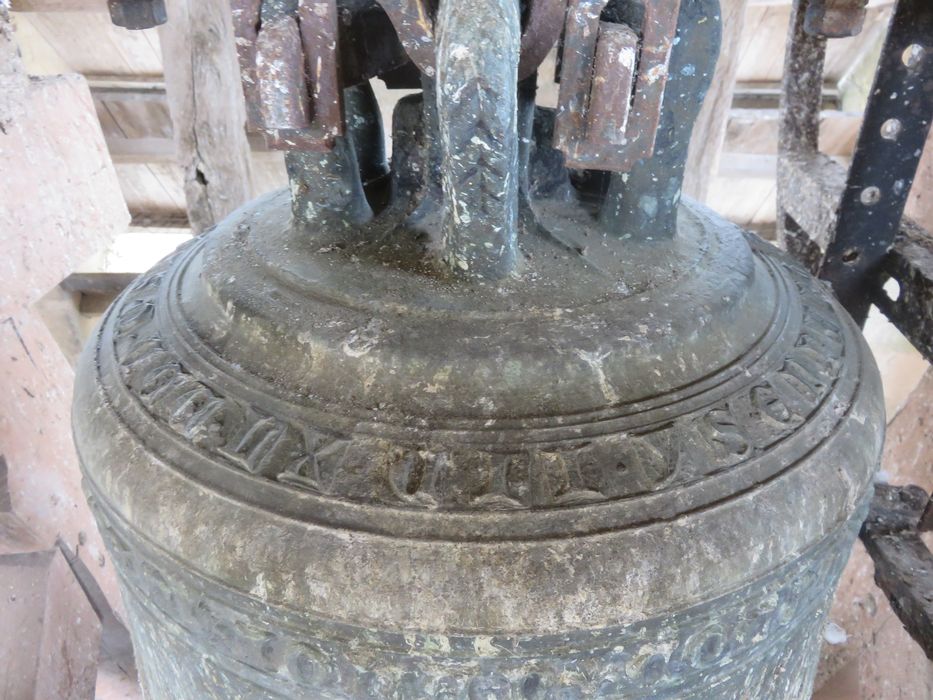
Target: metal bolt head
(891, 129)
(913, 55)
(835, 18)
(137, 14)
(870, 195)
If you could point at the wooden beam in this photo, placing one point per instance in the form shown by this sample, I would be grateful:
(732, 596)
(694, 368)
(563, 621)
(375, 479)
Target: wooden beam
(767, 95)
(126, 88)
(202, 80)
(58, 5)
(709, 133)
(141, 150)
(748, 166)
(155, 149)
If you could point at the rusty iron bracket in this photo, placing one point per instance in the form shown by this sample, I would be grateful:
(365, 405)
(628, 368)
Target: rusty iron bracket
(291, 73)
(290, 61)
(844, 224)
(910, 264)
(612, 85)
(903, 563)
(890, 144)
(848, 227)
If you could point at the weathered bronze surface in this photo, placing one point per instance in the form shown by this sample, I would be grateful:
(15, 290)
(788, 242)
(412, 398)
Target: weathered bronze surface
(473, 424)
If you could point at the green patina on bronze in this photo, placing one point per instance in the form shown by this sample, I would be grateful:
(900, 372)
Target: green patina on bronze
(476, 425)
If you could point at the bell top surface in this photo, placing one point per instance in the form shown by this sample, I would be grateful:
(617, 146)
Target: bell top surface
(590, 326)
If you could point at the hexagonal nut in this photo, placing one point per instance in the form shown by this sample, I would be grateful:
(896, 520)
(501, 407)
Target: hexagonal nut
(834, 19)
(137, 14)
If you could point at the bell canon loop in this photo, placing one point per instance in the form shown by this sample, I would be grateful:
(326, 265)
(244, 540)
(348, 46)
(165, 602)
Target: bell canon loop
(500, 416)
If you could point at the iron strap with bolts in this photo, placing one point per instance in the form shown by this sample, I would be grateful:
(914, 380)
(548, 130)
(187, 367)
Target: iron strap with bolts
(844, 223)
(894, 131)
(849, 227)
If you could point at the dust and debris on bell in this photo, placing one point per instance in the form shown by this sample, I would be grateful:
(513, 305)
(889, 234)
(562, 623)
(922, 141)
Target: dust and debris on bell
(501, 416)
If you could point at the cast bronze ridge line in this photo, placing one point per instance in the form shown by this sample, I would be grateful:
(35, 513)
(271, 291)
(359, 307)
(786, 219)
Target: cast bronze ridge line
(780, 635)
(296, 407)
(346, 631)
(686, 485)
(208, 360)
(299, 514)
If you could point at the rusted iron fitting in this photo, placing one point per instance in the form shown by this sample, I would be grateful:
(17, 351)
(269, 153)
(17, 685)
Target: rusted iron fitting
(835, 19)
(612, 85)
(902, 560)
(612, 82)
(290, 60)
(290, 68)
(137, 14)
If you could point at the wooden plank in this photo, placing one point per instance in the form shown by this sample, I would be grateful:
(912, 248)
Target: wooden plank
(152, 187)
(762, 45)
(88, 43)
(156, 149)
(126, 88)
(747, 201)
(202, 76)
(745, 166)
(159, 222)
(709, 133)
(756, 131)
(59, 5)
(151, 149)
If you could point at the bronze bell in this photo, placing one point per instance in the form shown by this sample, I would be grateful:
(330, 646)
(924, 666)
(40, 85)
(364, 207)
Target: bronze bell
(504, 418)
